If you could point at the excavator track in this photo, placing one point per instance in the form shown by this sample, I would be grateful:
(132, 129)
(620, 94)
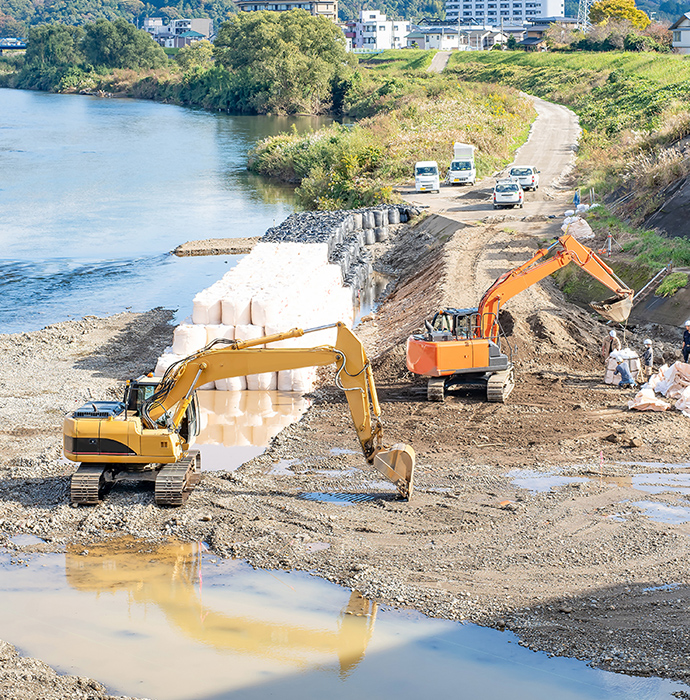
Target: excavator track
(176, 481)
(88, 484)
(436, 389)
(500, 385)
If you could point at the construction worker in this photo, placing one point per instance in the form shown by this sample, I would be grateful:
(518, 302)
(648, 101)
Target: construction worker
(686, 341)
(626, 378)
(613, 344)
(647, 359)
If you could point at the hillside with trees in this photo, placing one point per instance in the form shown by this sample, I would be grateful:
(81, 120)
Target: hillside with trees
(17, 16)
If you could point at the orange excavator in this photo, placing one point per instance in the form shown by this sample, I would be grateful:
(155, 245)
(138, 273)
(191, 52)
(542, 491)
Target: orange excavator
(462, 347)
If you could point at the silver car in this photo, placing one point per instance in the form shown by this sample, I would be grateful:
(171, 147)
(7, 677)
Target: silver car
(526, 175)
(508, 193)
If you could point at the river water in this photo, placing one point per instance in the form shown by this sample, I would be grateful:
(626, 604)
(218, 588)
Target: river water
(95, 193)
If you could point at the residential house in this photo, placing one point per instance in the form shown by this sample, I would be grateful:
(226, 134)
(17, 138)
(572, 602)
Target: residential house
(681, 34)
(535, 38)
(178, 32)
(327, 9)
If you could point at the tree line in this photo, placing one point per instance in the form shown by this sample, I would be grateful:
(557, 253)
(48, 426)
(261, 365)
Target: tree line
(261, 62)
(17, 16)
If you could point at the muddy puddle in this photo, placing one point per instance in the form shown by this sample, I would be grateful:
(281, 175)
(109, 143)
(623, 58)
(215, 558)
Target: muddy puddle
(675, 479)
(174, 622)
(236, 426)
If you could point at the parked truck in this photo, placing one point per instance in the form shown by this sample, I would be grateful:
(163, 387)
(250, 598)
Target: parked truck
(462, 170)
(426, 178)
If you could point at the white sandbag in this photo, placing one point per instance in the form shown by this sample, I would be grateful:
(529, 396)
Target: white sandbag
(268, 307)
(645, 400)
(582, 208)
(236, 309)
(303, 380)
(579, 229)
(569, 212)
(285, 380)
(188, 339)
(219, 331)
(266, 381)
(232, 384)
(206, 308)
(164, 361)
(611, 377)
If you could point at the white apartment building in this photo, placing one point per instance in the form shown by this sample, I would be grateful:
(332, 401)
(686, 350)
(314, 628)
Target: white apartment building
(374, 32)
(162, 32)
(329, 8)
(494, 12)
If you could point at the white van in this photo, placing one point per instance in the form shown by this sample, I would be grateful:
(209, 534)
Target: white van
(426, 176)
(462, 170)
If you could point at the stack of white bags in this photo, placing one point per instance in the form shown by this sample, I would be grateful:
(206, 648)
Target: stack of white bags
(627, 354)
(672, 382)
(278, 286)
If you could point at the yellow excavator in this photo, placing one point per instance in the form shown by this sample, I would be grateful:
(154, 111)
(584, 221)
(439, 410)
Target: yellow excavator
(147, 436)
(462, 347)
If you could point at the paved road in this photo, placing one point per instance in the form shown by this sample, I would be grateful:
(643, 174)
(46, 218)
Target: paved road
(439, 62)
(550, 147)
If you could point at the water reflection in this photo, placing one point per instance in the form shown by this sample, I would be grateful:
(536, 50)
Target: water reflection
(238, 425)
(173, 622)
(171, 577)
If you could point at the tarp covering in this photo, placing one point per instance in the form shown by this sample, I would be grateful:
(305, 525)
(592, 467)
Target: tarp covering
(672, 382)
(646, 400)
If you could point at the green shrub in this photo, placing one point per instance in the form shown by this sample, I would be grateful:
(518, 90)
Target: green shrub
(671, 284)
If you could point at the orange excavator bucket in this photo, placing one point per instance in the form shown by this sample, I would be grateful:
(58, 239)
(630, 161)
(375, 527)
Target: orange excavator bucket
(616, 309)
(397, 464)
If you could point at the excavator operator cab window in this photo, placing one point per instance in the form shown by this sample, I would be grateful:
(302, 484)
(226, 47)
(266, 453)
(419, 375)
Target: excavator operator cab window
(135, 395)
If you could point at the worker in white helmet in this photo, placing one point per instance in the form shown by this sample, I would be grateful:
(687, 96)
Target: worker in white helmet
(611, 344)
(686, 341)
(647, 359)
(627, 381)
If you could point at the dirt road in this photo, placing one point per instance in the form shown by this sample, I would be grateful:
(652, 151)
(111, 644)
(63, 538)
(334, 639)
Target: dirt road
(550, 147)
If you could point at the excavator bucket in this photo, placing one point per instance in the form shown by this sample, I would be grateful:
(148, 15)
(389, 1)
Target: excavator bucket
(616, 309)
(397, 464)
